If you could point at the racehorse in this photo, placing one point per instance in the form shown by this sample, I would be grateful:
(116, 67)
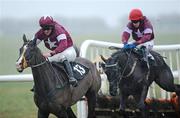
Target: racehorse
(125, 68)
(53, 93)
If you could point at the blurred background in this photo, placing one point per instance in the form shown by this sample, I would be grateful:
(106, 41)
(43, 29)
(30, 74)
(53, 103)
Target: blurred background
(84, 19)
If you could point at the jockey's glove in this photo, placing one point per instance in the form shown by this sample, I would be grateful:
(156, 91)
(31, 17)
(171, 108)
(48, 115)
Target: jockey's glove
(129, 46)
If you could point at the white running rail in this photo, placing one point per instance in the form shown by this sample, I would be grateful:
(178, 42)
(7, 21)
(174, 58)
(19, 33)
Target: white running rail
(91, 49)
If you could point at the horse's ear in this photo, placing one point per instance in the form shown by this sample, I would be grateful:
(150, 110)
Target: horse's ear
(105, 60)
(24, 38)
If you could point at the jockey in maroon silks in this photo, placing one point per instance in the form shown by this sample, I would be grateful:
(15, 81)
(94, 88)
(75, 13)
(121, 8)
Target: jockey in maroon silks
(59, 42)
(142, 33)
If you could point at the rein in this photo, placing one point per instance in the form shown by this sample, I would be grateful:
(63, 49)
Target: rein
(132, 69)
(37, 65)
(112, 65)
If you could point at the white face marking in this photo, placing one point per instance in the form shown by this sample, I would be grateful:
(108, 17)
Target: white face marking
(18, 62)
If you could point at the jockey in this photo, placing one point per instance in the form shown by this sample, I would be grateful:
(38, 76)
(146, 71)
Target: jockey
(142, 33)
(59, 42)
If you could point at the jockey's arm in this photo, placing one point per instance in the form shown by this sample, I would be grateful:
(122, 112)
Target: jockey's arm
(62, 38)
(36, 38)
(126, 34)
(61, 47)
(146, 37)
(125, 37)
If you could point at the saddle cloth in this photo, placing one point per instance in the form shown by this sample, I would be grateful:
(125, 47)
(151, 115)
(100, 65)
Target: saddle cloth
(79, 70)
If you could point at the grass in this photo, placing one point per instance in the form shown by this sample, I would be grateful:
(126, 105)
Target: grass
(16, 100)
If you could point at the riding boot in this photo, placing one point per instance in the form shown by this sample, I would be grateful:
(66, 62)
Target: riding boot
(68, 68)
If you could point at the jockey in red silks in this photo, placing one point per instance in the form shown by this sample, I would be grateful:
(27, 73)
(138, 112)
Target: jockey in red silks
(59, 42)
(142, 33)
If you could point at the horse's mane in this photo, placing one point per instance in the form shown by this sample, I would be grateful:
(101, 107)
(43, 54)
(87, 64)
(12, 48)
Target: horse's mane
(117, 53)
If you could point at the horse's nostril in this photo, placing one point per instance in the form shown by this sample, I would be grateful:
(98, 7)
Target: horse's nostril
(19, 70)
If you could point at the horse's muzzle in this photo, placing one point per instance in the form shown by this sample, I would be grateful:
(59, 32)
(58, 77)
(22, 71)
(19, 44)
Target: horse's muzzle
(19, 67)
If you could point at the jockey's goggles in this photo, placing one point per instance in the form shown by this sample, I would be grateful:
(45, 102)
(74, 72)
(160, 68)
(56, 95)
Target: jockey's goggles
(46, 27)
(135, 21)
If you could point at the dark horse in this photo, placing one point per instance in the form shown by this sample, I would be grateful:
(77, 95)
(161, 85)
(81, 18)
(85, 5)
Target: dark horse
(53, 93)
(133, 77)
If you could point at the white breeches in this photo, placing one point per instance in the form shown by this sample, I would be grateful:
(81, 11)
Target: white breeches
(69, 54)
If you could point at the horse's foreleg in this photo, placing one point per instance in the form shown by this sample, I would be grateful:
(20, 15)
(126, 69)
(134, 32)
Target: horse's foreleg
(42, 114)
(113, 87)
(62, 114)
(91, 98)
(122, 101)
(122, 104)
(141, 105)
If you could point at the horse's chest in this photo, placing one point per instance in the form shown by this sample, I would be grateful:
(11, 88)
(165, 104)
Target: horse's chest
(131, 86)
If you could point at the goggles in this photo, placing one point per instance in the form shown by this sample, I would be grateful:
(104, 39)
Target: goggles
(46, 28)
(135, 21)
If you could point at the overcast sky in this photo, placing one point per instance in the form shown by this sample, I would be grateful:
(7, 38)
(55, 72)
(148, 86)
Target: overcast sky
(109, 10)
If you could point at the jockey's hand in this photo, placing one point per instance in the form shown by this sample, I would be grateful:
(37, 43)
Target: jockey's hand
(129, 46)
(47, 54)
(132, 46)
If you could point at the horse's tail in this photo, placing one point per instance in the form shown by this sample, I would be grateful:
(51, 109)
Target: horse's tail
(77, 50)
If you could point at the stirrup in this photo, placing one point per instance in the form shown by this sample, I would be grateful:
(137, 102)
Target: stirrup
(73, 81)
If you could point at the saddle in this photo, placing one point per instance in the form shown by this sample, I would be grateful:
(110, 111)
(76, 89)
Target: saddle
(79, 70)
(140, 55)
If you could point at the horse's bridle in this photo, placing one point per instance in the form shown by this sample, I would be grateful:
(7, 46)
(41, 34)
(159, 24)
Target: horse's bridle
(126, 64)
(24, 61)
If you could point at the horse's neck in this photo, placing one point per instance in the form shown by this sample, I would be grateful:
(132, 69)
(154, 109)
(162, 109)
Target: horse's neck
(45, 78)
(125, 59)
